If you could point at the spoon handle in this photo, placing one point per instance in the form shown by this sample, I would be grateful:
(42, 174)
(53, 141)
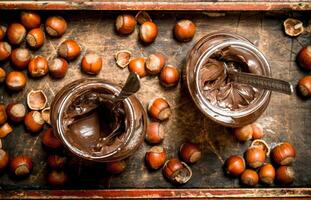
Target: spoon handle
(262, 82)
(131, 86)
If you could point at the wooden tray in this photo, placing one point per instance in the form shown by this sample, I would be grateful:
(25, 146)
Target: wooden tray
(287, 117)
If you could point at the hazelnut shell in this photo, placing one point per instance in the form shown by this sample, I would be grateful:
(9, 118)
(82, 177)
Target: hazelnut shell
(177, 172)
(36, 100)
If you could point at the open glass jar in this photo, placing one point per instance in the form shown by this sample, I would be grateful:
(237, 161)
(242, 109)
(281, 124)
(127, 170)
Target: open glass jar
(227, 103)
(83, 117)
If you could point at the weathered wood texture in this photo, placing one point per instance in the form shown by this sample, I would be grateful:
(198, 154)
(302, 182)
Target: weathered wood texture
(158, 5)
(286, 119)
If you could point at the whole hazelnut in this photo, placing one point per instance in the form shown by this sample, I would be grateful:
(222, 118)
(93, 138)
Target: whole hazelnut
(304, 57)
(91, 63)
(2, 32)
(20, 58)
(137, 65)
(257, 131)
(177, 172)
(56, 161)
(283, 154)
(16, 33)
(285, 175)
(249, 177)
(16, 80)
(155, 157)
(50, 141)
(5, 129)
(169, 76)
(35, 38)
(58, 68)
(16, 112)
(33, 121)
(4, 159)
(21, 165)
(159, 109)
(184, 30)
(244, 133)
(5, 50)
(304, 86)
(148, 32)
(125, 24)
(55, 26)
(115, 167)
(3, 116)
(155, 63)
(38, 67)
(235, 165)
(2, 75)
(190, 153)
(57, 178)
(267, 174)
(255, 156)
(154, 133)
(69, 50)
(30, 19)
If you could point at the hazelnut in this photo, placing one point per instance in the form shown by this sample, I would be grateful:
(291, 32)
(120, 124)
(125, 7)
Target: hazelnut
(190, 153)
(293, 27)
(69, 49)
(91, 63)
(1, 144)
(4, 159)
(137, 65)
(35, 38)
(20, 58)
(249, 177)
(2, 32)
(244, 133)
(283, 154)
(148, 32)
(5, 50)
(159, 109)
(255, 156)
(50, 141)
(261, 144)
(58, 68)
(36, 100)
(16, 80)
(30, 19)
(2, 75)
(16, 33)
(116, 167)
(142, 17)
(257, 131)
(169, 76)
(177, 172)
(285, 175)
(155, 157)
(16, 112)
(154, 133)
(235, 165)
(45, 113)
(55, 26)
(3, 116)
(304, 57)
(57, 178)
(125, 24)
(5, 129)
(56, 161)
(33, 121)
(21, 165)
(38, 67)
(123, 58)
(184, 30)
(304, 86)
(155, 63)
(267, 174)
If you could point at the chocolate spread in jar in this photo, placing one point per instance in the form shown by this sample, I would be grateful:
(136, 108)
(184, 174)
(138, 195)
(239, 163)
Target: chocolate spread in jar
(89, 118)
(219, 89)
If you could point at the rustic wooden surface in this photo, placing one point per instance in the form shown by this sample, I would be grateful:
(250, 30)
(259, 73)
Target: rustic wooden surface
(157, 5)
(287, 117)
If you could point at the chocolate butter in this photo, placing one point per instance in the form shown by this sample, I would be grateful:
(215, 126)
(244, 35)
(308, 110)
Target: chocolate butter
(219, 89)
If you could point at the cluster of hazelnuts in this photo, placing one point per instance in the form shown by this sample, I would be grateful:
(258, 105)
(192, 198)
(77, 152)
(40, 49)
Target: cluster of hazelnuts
(255, 157)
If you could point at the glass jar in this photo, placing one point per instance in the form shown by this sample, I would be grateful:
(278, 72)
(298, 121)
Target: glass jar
(125, 144)
(203, 50)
